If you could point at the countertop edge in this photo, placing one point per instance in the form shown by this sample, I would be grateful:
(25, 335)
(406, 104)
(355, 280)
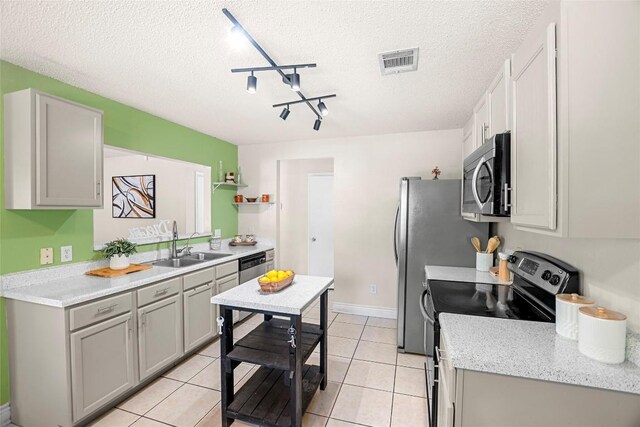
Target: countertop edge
(586, 379)
(21, 293)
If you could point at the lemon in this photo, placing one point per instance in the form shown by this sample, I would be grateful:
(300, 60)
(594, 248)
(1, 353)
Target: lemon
(264, 279)
(289, 273)
(272, 274)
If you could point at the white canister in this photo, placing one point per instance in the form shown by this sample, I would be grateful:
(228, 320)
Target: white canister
(567, 306)
(484, 261)
(119, 262)
(602, 334)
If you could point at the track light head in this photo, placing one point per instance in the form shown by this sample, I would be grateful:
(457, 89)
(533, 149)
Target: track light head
(252, 84)
(285, 113)
(293, 80)
(236, 36)
(323, 108)
(316, 125)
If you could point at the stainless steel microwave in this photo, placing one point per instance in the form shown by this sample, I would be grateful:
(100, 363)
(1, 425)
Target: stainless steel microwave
(486, 182)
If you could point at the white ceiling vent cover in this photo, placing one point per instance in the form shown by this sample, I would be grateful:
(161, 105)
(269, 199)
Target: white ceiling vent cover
(398, 61)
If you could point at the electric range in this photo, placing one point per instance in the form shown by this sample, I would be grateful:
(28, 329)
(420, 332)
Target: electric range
(537, 279)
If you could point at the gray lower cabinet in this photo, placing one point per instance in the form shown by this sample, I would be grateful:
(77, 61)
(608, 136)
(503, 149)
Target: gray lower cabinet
(469, 398)
(159, 335)
(68, 364)
(199, 316)
(102, 364)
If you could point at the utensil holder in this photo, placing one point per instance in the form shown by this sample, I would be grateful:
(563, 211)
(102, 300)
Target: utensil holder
(484, 261)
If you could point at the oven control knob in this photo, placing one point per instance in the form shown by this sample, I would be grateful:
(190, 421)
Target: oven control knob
(546, 275)
(555, 280)
(512, 259)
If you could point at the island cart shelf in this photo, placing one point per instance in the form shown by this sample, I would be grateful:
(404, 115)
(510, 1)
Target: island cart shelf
(279, 392)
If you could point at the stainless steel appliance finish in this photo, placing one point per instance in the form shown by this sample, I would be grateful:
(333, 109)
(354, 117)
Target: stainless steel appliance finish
(537, 279)
(251, 267)
(487, 178)
(428, 230)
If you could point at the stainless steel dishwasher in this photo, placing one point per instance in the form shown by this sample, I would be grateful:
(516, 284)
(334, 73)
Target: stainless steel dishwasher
(251, 267)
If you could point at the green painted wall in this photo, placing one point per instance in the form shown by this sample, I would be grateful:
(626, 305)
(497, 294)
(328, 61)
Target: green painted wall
(23, 233)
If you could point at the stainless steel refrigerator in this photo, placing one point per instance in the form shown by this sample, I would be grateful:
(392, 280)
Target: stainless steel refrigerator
(428, 230)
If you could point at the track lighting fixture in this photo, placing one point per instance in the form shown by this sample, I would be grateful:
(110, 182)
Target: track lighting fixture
(323, 108)
(252, 83)
(285, 113)
(294, 81)
(291, 79)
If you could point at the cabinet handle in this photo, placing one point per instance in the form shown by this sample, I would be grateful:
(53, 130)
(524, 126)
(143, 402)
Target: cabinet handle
(507, 202)
(142, 319)
(161, 292)
(98, 188)
(129, 326)
(107, 309)
(439, 355)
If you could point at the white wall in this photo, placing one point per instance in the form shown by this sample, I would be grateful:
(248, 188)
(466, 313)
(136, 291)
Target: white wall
(293, 196)
(367, 172)
(610, 267)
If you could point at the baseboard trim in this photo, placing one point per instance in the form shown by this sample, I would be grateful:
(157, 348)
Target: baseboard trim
(5, 415)
(365, 310)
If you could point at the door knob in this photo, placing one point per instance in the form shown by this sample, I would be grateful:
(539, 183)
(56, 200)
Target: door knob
(313, 239)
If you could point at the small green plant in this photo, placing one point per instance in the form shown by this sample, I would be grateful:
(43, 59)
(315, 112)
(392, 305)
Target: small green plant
(119, 247)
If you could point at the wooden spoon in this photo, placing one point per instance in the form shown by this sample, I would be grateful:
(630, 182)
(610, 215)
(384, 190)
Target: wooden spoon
(476, 244)
(493, 244)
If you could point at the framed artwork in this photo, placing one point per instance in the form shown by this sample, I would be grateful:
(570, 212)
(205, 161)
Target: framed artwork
(133, 196)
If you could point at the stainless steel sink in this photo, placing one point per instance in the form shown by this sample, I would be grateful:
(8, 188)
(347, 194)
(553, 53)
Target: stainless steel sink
(206, 256)
(177, 262)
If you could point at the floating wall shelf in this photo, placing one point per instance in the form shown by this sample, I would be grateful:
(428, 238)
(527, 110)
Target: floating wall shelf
(215, 185)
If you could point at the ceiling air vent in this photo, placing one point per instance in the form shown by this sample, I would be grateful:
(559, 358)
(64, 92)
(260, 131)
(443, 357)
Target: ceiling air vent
(398, 61)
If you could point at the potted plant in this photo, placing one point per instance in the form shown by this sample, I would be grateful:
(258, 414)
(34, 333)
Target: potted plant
(117, 252)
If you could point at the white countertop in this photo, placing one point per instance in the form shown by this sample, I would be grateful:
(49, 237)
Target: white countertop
(461, 274)
(529, 350)
(293, 299)
(64, 291)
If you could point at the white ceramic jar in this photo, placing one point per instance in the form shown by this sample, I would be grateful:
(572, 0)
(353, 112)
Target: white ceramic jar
(567, 306)
(602, 334)
(119, 262)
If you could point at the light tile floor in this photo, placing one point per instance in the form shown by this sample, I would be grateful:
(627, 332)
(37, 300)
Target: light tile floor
(370, 384)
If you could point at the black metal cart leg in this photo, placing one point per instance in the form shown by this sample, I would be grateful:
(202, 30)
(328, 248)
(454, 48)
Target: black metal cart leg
(268, 317)
(324, 300)
(295, 371)
(226, 370)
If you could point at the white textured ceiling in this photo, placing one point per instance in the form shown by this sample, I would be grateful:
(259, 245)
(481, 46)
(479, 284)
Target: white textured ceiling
(172, 59)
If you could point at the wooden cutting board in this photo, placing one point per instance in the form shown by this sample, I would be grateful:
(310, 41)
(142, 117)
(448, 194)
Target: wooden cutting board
(107, 272)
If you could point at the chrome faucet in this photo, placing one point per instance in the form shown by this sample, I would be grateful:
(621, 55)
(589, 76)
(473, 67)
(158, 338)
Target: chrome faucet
(174, 240)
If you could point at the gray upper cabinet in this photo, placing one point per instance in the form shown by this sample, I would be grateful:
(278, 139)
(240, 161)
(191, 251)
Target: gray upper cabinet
(159, 335)
(533, 139)
(498, 94)
(53, 152)
(102, 364)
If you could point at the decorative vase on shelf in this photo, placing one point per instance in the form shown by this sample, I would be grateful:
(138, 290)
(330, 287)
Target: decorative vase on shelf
(119, 262)
(220, 172)
(436, 172)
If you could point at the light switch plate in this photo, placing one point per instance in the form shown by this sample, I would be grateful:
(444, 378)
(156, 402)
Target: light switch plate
(46, 256)
(66, 253)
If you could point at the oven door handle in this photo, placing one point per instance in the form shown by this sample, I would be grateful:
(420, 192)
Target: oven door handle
(423, 309)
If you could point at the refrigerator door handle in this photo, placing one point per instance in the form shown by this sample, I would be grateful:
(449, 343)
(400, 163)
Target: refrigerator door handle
(395, 233)
(423, 309)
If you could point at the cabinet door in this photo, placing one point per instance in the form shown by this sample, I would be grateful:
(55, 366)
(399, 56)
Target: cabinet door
(481, 121)
(499, 100)
(198, 316)
(533, 140)
(159, 335)
(101, 364)
(68, 154)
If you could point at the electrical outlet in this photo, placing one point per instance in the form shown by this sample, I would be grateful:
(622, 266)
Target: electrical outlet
(66, 253)
(46, 256)
(373, 289)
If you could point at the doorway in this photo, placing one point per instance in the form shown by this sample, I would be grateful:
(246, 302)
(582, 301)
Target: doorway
(320, 224)
(298, 204)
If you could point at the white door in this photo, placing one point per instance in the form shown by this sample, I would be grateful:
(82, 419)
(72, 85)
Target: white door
(320, 225)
